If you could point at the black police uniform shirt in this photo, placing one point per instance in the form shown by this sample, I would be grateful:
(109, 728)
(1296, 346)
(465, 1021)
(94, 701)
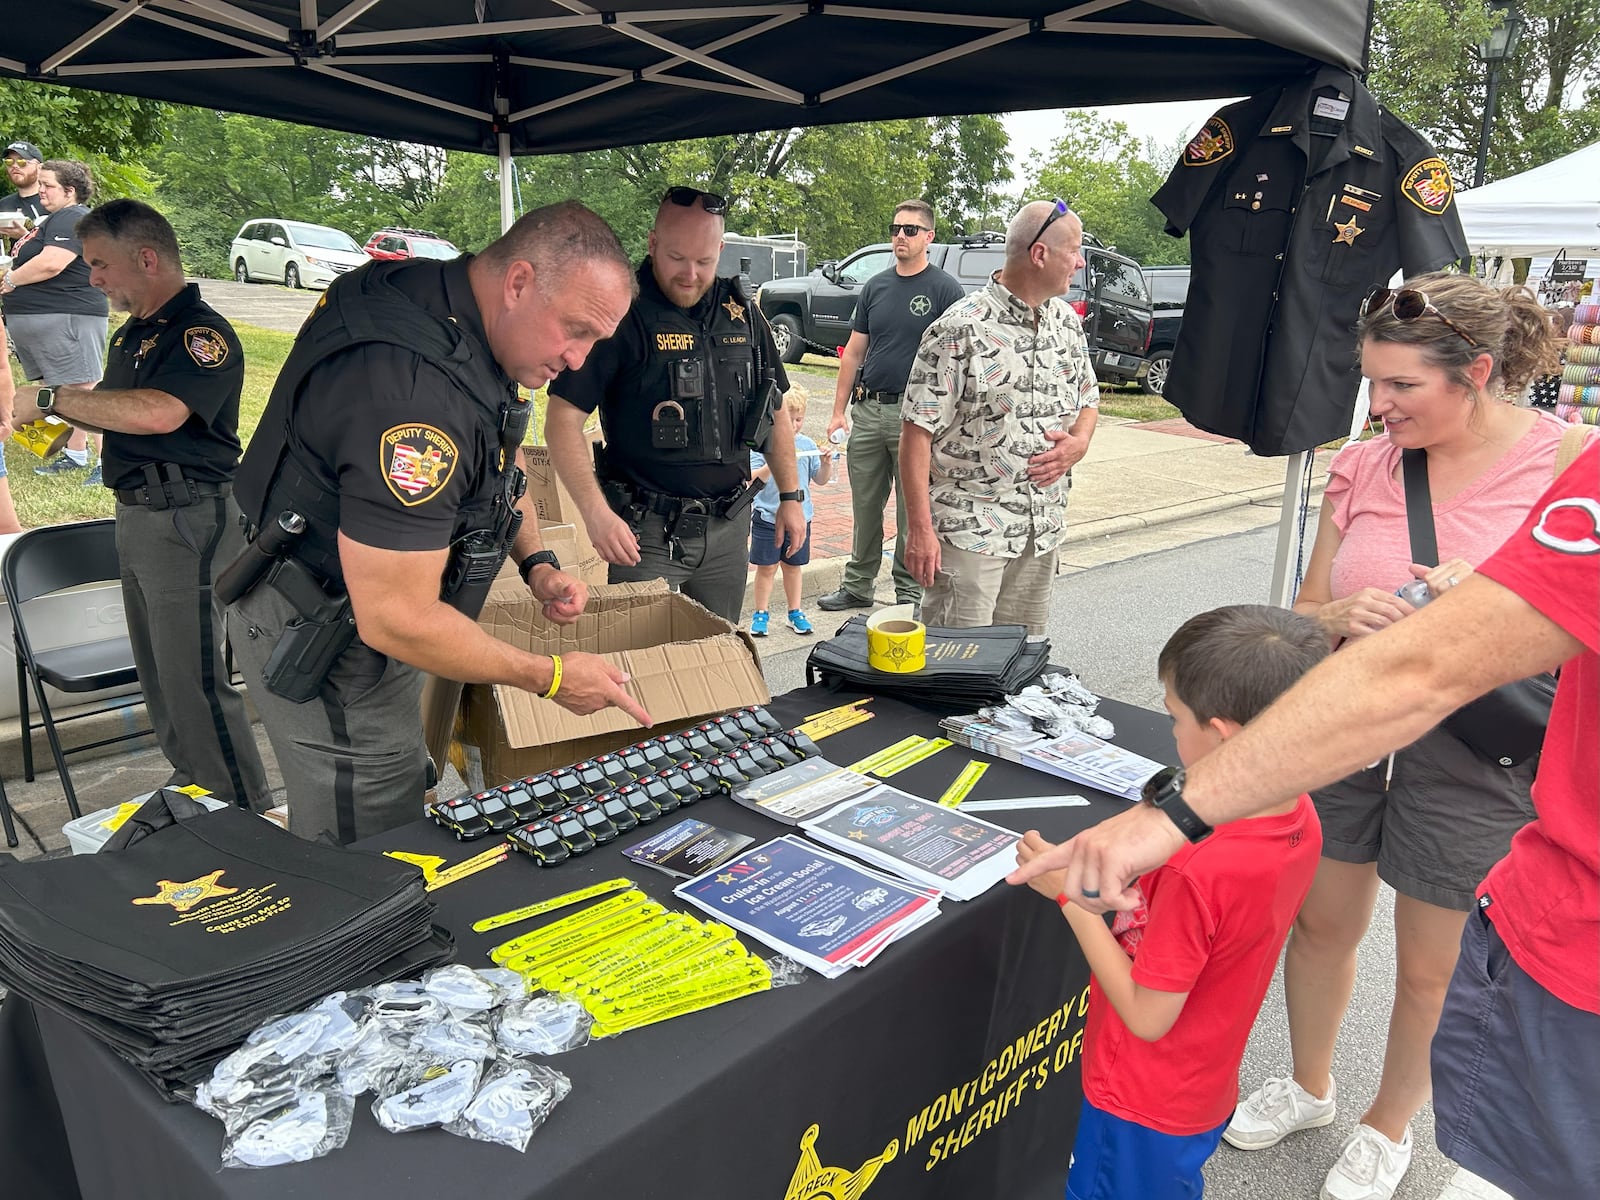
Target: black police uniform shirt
(69, 291)
(626, 377)
(404, 447)
(188, 350)
(1289, 229)
(893, 313)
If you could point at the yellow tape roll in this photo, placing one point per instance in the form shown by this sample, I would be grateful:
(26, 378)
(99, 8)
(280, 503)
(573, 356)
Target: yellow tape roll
(43, 437)
(896, 641)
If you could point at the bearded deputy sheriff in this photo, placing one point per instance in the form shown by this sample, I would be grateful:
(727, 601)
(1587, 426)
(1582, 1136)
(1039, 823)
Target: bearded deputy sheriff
(382, 492)
(687, 388)
(169, 407)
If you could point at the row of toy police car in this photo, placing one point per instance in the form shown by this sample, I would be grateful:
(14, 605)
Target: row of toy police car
(570, 810)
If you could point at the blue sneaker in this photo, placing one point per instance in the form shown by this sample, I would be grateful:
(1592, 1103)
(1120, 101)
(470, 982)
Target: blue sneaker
(94, 478)
(758, 622)
(61, 465)
(798, 623)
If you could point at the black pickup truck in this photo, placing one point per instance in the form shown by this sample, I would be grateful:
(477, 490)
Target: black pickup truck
(812, 313)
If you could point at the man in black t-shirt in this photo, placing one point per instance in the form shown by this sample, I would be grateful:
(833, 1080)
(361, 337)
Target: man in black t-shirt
(22, 169)
(169, 409)
(895, 307)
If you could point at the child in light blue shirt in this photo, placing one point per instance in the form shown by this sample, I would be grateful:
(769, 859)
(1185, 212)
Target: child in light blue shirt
(815, 468)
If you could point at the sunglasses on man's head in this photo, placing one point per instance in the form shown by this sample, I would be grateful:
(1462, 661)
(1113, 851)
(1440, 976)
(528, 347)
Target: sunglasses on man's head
(1408, 304)
(909, 230)
(1061, 209)
(686, 197)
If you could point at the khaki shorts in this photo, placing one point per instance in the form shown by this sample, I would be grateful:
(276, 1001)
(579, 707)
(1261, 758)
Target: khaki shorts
(971, 590)
(1444, 819)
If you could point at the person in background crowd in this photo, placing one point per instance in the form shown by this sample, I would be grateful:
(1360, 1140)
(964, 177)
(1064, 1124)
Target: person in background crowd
(8, 395)
(1516, 1059)
(169, 409)
(895, 308)
(1176, 982)
(688, 387)
(1001, 402)
(56, 319)
(814, 467)
(22, 161)
(392, 431)
(1443, 356)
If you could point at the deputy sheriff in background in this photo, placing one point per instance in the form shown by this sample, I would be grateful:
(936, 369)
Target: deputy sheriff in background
(169, 407)
(382, 492)
(685, 390)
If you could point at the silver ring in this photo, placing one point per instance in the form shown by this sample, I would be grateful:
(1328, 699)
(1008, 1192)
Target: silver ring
(1453, 581)
(1089, 894)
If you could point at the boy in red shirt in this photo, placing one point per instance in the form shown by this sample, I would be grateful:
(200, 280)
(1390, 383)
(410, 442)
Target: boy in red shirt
(1177, 982)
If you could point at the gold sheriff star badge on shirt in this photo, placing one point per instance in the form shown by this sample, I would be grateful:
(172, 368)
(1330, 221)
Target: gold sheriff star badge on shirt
(1348, 232)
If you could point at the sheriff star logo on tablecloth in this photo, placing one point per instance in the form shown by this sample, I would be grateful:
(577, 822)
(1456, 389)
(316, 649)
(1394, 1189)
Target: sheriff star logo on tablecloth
(417, 461)
(813, 1181)
(184, 896)
(735, 310)
(205, 345)
(1428, 186)
(1348, 232)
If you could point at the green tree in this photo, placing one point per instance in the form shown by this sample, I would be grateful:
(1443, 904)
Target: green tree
(968, 165)
(112, 134)
(1427, 68)
(1108, 177)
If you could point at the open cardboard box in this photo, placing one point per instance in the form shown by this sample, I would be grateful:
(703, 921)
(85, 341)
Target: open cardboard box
(684, 663)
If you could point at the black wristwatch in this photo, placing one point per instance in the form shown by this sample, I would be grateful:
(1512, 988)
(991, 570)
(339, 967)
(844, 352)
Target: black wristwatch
(46, 401)
(526, 566)
(1164, 790)
(798, 497)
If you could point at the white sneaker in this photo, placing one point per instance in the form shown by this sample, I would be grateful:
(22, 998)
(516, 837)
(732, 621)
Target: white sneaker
(1369, 1168)
(1277, 1108)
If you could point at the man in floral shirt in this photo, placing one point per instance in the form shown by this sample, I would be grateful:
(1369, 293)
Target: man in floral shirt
(999, 405)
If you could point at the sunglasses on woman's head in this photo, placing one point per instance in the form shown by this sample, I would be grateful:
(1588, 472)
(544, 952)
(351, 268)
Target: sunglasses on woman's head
(1409, 305)
(685, 197)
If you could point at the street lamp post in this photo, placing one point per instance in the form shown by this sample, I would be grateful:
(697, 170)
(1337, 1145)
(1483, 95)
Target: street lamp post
(1500, 45)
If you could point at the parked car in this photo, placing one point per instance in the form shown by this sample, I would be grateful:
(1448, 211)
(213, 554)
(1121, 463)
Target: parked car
(293, 253)
(814, 312)
(1169, 289)
(393, 242)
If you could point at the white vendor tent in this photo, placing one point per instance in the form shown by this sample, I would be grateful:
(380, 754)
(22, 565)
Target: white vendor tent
(1550, 208)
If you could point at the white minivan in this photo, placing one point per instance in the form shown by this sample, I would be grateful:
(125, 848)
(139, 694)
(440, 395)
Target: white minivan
(293, 253)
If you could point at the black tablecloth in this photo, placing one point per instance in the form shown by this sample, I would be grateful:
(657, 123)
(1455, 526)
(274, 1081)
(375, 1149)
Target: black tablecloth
(946, 1068)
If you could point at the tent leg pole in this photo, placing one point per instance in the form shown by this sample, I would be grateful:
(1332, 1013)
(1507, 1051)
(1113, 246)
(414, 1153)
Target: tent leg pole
(1289, 548)
(507, 210)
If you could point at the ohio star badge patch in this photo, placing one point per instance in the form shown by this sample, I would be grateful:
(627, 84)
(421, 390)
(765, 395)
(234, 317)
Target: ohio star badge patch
(1428, 186)
(1212, 144)
(417, 461)
(206, 346)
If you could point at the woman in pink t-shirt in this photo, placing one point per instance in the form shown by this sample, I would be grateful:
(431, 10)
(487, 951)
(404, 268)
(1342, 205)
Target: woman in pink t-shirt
(1431, 820)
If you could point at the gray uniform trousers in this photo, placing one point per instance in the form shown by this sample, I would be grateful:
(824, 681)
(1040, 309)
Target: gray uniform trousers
(710, 570)
(353, 759)
(873, 463)
(168, 559)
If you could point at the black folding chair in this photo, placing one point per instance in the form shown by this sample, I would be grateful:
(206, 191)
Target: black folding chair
(39, 563)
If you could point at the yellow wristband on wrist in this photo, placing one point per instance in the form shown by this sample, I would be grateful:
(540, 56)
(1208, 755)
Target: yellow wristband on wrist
(555, 677)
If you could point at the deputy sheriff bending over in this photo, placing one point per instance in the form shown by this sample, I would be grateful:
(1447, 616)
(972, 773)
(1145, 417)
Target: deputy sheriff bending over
(382, 492)
(169, 407)
(687, 388)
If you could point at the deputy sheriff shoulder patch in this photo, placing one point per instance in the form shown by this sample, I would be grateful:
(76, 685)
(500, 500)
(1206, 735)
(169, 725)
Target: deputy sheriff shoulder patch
(1212, 144)
(417, 461)
(205, 345)
(1428, 186)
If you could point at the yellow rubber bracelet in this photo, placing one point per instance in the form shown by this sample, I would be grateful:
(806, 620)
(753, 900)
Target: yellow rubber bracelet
(555, 677)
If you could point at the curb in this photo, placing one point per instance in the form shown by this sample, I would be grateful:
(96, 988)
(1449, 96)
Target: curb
(823, 574)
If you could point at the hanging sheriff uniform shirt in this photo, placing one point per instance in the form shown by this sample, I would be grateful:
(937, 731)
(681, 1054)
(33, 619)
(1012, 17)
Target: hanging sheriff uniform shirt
(1298, 203)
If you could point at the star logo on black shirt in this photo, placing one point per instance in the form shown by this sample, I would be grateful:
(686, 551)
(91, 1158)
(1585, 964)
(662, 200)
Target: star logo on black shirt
(735, 310)
(921, 306)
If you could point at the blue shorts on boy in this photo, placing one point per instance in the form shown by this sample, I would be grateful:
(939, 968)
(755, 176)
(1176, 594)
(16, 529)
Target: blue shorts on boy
(763, 523)
(764, 552)
(1113, 1159)
(1213, 922)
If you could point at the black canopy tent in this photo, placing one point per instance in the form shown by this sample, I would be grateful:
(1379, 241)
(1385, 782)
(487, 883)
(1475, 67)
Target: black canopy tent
(545, 76)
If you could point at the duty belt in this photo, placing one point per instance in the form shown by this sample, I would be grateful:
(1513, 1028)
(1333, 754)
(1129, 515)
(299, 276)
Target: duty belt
(882, 397)
(166, 486)
(663, 505)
